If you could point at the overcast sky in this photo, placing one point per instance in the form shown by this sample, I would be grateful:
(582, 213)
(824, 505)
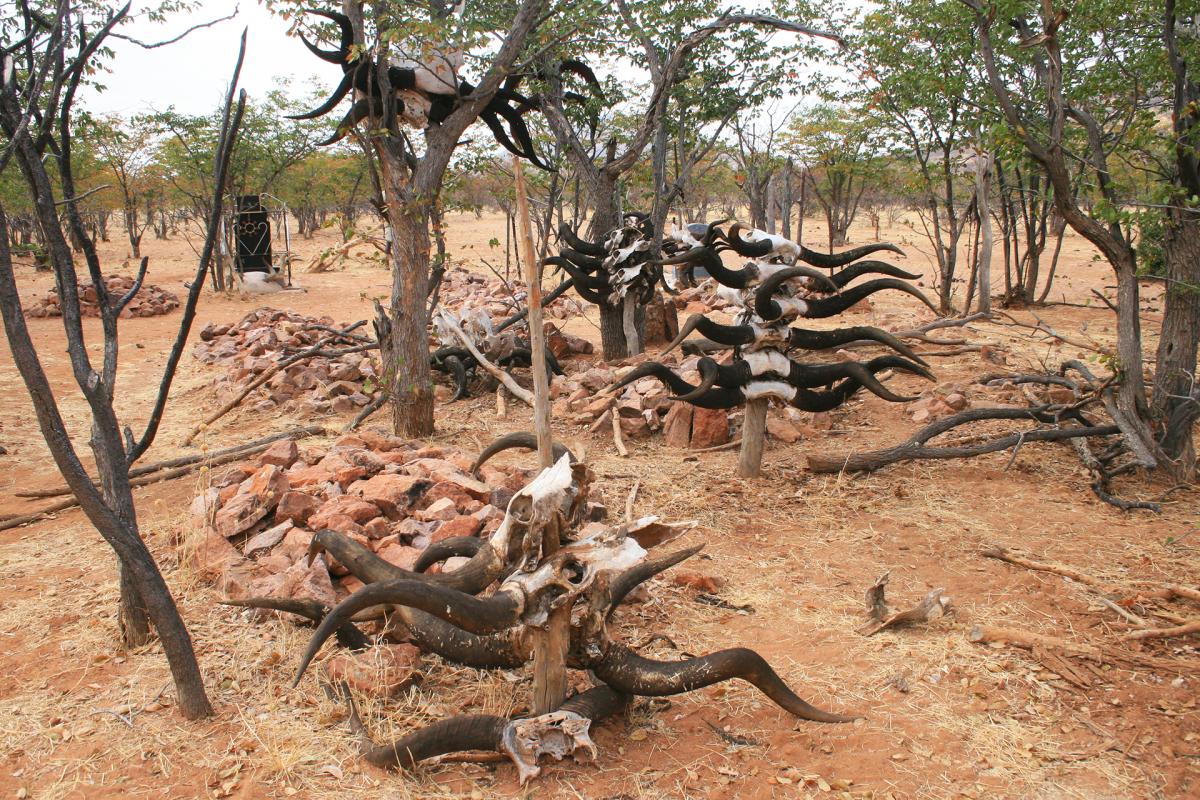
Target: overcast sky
(192, 74)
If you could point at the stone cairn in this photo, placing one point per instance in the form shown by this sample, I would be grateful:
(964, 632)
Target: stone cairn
(488, 606)
(150, 300)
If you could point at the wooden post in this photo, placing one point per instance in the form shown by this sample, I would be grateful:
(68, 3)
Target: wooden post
(754, 431)
(537, 337)
(549, 645)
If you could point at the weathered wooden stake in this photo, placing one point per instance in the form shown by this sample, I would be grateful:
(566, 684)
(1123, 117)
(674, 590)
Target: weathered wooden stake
(549, 645)
(754, 431)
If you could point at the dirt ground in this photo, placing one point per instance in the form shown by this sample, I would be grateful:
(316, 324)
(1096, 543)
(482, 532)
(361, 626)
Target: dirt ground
(944, 717)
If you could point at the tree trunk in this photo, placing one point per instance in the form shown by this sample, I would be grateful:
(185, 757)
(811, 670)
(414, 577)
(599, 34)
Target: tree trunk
(408, 365)
(1175, 375)
(983, 188)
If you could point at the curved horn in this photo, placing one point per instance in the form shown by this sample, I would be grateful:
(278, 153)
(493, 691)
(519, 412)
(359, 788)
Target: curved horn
(732, 335)
(472, 614)
(843, 277)
(825, 340)
(743, 248)
(348, 635)
(582, 245)
(332, 56)
(631, 578)
(581, 260)
(344, 26)
(708, 258)
(454, 547)
(820, 307)
(521, 439)
(710, 374)
(472, 578)
(832, 260)
(626, 671)
(455, 366)
(765, 306)
(340, 92)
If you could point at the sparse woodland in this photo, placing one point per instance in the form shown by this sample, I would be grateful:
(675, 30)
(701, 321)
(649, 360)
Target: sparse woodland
(683, 399)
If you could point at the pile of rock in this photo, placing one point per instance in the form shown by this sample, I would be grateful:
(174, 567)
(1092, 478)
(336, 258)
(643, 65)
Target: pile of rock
(463, 289)
(255, 521)
(266, 336)
(150, 301)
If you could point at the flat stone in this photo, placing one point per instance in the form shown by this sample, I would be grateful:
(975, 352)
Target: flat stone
(261, 542)
(392, 494)
(282, 454)
(382, 671)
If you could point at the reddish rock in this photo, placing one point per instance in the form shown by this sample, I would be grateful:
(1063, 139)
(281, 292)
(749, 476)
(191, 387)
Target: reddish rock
(261, 542)
(281, 454)
(211, 555)
(355, 508)
(296, 507)
(401, 555)
(392, 494)
(701, 583)
(783, 430)
(230, 477)
(309, 476)
(382, 671)
(443, 509)
(677, 426)
(345, 525)
(459, 526)
(377, 528)
(635, 427)
(256, 498)
(311, 582)
(294, 546)
(710, 427)
(205, 506)
(453, 491)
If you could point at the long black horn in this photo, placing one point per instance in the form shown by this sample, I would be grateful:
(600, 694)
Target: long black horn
(710, 375)
(454, 547)
(518, 439)
(820, 307)
(472, 614)
(740, 246)
(332, 56)
(343, 25)
(826, 340)
(843, 277)
(340, 92)
(833, 260)
(582, 245)
(348, 635)
(581, 260)
(765, 305)
(732, 335)
(627, 672)
(631, 578)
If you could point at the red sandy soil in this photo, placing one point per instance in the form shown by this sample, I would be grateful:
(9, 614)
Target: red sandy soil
(83, 719)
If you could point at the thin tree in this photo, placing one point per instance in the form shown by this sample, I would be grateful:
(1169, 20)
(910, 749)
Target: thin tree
(37, 116)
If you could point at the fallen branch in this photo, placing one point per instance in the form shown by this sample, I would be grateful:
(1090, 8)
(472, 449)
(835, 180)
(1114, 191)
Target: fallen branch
(618, 439)
(986, 634)
(915, 448)
(376, 404)
(233, 454)
(515, 389)
(210, 457)
(1165, 633)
